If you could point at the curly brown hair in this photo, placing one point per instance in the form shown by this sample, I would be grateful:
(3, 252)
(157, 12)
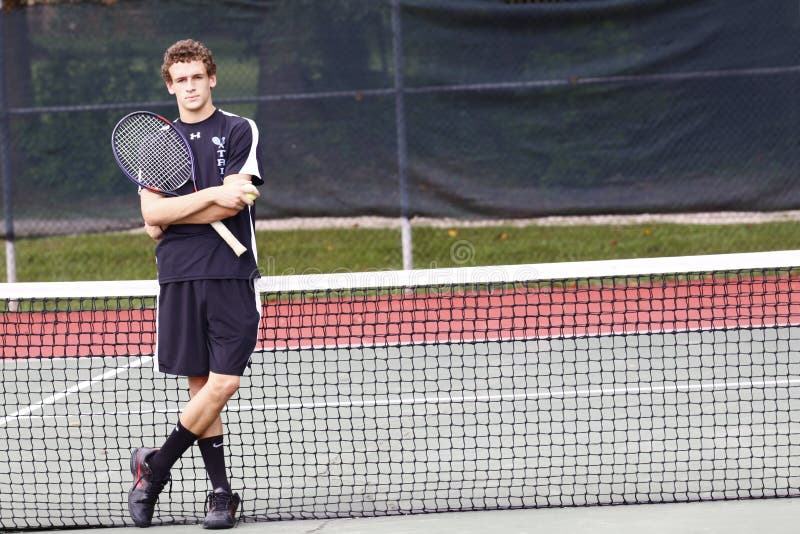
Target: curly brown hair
(186, 51)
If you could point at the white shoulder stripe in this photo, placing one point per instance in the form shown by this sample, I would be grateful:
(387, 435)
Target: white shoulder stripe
(251, 165)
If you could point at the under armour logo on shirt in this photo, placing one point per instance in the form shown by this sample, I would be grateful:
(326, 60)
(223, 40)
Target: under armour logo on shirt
(195, 135)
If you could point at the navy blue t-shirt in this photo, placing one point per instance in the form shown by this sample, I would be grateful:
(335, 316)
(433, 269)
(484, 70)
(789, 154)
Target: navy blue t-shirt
(222, 145)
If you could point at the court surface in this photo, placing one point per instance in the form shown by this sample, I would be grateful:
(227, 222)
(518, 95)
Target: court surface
(80, 414)
(672, 392)
(767, 516)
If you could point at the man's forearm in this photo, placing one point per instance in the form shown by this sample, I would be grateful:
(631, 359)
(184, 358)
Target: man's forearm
(207, 215)
(163, 211)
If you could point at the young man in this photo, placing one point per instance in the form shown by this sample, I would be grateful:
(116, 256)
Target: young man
(208, 311)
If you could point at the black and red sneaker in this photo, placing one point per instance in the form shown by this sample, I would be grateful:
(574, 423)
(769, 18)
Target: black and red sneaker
(143, 496)
(221, 510)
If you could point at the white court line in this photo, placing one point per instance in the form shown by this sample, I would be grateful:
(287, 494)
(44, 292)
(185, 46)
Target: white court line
(80, 386)
(563, 393)
(535, 395)
(26, 413)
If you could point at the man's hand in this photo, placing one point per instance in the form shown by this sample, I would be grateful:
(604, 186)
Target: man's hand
(235, 194)
(156, 232)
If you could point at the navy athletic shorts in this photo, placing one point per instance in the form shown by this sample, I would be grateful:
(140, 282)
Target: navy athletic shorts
(206, 326)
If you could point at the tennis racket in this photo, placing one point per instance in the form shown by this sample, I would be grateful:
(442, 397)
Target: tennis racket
(154, 154)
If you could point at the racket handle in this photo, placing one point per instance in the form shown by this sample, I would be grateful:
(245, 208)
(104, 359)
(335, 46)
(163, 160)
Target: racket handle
(229, 238)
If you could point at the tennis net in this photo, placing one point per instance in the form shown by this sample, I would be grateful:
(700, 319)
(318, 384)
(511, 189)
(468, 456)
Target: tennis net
(609, 382)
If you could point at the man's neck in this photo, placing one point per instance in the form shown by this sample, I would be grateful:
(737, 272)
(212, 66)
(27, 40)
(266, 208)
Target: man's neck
(195, 116)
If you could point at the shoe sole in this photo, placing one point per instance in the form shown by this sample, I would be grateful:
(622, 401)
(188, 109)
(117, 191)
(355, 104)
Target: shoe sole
(218, 526)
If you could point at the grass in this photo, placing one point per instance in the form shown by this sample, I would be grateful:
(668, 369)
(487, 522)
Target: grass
(577, 243)
(125, 256)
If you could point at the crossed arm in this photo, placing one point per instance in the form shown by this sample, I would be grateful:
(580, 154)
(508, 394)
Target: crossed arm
(202, 207)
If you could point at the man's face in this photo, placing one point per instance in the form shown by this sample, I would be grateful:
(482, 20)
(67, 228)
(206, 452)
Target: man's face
(191, 85)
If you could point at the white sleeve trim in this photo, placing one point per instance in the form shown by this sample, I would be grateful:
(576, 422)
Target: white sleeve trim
(251, 164)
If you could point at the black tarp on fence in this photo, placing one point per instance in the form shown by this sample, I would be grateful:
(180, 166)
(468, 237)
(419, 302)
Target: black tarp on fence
(505, 110)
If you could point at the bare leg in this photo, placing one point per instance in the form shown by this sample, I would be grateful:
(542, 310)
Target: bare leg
(206, 403)
(195, 384)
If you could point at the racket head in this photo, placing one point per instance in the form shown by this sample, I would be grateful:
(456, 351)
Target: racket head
(152, 152)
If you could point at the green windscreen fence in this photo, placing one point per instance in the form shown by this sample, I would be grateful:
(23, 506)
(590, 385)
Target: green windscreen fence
(436, 108)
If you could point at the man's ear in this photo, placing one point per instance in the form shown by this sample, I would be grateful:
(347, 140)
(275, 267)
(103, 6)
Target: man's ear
(212, 80)
(169, 88)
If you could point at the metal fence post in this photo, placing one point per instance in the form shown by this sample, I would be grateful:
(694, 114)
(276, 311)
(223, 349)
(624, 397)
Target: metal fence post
(5, 170)
(400, 121)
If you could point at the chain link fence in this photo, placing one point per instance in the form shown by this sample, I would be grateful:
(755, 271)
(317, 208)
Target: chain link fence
(418, 110)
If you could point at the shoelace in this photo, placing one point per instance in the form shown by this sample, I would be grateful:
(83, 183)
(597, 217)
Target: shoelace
(219, 501)
(223, 501)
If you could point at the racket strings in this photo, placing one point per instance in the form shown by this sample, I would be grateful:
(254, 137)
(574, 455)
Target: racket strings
(153, 153)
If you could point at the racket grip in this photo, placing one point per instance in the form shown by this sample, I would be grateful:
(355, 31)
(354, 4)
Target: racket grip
(229, 238)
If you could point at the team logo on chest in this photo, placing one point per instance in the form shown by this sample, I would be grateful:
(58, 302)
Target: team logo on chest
(221, 153)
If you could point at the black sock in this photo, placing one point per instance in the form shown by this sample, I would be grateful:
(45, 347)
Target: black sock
(177, 443)
(213, 453)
